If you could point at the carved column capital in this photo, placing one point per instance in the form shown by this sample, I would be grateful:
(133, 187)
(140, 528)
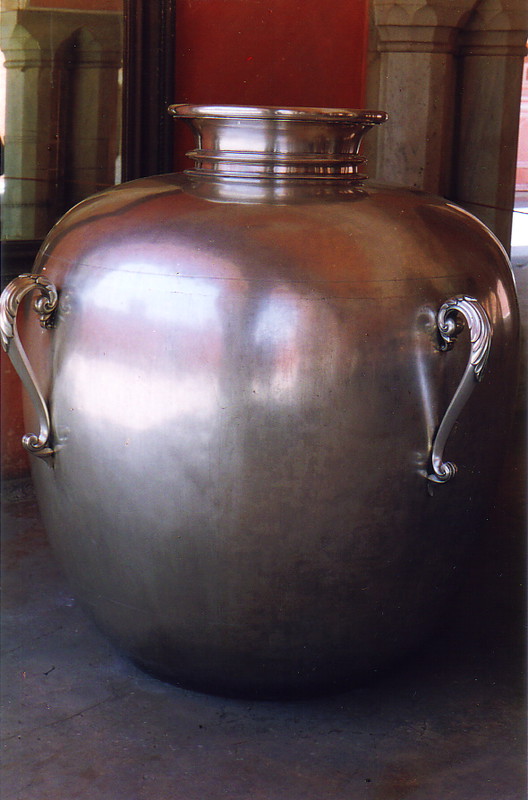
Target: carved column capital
(450, 13)
(48, 28)
(416, 39)
(493, 43)
(427, 26)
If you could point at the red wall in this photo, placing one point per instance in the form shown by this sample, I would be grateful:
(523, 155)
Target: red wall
(14, 457)
(269, 52)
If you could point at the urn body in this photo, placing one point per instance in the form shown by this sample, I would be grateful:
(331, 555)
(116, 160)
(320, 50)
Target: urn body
(245, 381)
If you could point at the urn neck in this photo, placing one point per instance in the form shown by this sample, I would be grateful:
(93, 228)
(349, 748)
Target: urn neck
(273, 142)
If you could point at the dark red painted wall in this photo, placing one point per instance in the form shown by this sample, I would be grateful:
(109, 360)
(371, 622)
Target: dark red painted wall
(14, 457)
(269, 52)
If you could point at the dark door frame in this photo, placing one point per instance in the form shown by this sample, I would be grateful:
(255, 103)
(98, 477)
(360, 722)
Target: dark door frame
(148, 87)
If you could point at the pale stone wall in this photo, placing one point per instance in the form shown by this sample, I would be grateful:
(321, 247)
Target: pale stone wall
(449, 74)
(62, 126)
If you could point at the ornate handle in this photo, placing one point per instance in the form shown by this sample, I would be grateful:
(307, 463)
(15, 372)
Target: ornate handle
(449, 326)
(45, 305)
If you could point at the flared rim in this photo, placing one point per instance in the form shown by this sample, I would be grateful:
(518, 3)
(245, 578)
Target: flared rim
(301, 113)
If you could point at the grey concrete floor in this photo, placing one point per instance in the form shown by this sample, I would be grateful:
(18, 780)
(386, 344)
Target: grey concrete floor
(80, 722)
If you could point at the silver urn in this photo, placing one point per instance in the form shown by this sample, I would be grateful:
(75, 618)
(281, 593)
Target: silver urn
(267, 403)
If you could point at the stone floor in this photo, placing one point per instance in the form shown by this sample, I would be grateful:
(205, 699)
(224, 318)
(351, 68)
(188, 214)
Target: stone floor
(81, 723)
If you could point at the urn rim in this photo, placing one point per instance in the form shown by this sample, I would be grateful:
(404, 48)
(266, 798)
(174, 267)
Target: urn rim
(290, 114)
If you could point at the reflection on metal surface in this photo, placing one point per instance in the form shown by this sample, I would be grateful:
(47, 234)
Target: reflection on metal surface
(116, 393)
(480, 337)
(424, 331)
(44, 305)
(275, 337)
(191, 299)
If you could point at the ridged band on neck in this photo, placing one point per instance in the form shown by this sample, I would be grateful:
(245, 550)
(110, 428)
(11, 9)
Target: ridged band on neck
(254, 165)
(273, 142)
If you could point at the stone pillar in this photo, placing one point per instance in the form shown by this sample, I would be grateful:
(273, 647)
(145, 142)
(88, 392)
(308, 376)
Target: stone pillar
(492, 49)
(89, 116)
(53, 125)
(449, 74)
(29, 123)
(415, 82)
